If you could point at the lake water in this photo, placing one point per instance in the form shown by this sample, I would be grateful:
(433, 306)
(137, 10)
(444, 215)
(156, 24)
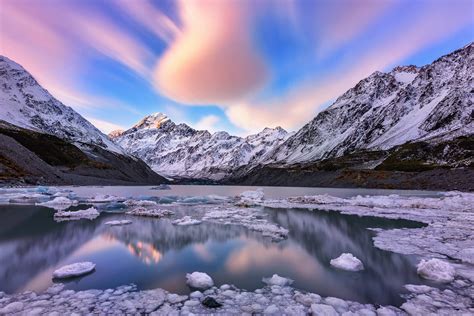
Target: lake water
(154, 253)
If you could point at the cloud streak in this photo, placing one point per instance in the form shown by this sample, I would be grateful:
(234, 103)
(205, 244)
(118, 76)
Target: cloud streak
(213, 60)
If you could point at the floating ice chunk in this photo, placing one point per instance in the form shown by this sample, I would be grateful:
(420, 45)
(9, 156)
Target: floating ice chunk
(418, 289)
(186, 220)
(90, 213)
(117, 223)
(277, 280)
(140, 203)
(347, 261)
(104, 198)
(161, 187)
(436, 270)
(74, 270)
(59, 203)
(142, 211)
(199, 280)
(249, 198)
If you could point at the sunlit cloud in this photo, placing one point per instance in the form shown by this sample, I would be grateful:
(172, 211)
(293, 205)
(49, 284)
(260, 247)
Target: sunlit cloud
(213, 60)
(208, 122)
(104, 126)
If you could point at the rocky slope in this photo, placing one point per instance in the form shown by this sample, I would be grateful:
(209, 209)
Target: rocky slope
(44, 141)
(434, 102)
(179, 151)
(26, 104)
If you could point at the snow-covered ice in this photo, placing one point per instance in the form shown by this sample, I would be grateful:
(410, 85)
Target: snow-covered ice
(74, 270)
(118, 222)
(250, 198)
(142, 211)
(142, 203)
(90, 213)
(347, 261)
(186, 220)
(277, 280)
(59, 203)
(436, 270)
(199, 280)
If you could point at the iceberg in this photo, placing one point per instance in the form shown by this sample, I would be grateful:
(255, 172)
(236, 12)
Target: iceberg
(74, 270)
(186, 220)
(118, 223)
(90, 213)
(347, 261)
(436, 270)
(199, 280)
(59, 203)
(142, 211)
(277, 280)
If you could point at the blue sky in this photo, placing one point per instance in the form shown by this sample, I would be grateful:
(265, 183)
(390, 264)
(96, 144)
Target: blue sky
(234, 65)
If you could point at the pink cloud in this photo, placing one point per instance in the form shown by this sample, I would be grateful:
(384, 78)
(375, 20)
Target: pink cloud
(298, 105)
(213, 60)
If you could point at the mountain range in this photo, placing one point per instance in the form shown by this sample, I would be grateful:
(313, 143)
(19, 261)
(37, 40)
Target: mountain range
(403, 128)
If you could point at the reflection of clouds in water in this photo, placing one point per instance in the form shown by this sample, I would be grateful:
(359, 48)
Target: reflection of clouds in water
(203, 252)
(256, 255)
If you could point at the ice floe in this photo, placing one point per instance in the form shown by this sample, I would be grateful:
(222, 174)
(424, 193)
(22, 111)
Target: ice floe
(142, 203)
(250, 198)
(199, 280)
(142, 211)
(277, 280)
(252, 218)
(161, 187)
(59, 203)
(436, 270)
(90, 213)
(118, 222)
(186, 220)
(74, 270)
(347, 261)
(104, 198)
(227, 300)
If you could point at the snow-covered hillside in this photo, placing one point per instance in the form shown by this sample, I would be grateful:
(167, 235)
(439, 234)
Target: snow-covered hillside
(177, 150)
(26, 104)
(388, 109)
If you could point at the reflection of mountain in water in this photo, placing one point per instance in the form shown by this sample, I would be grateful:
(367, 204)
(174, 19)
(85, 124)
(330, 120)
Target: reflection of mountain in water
(36, 243)
(326, 235)
(165, 237)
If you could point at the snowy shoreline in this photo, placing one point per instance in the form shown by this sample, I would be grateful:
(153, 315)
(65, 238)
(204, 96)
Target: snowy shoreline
(447, 236)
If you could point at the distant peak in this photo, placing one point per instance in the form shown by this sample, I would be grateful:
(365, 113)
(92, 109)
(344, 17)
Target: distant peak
(154, 120)
(116, 133)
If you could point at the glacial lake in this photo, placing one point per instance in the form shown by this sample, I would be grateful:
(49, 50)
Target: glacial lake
(154, 253)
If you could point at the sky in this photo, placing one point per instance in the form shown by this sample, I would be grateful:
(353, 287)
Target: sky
(233, 65)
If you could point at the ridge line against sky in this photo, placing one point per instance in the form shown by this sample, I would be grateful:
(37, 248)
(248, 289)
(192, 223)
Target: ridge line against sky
(237, 65)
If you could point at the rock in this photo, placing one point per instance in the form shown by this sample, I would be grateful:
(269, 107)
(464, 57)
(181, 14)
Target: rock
(199, 280)
(74, 270)
(277, 280)
(321, 309)
(210, 302)
(347, 261)
(436, 270)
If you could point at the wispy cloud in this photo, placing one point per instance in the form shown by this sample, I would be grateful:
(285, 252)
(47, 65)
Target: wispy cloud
(104, 126)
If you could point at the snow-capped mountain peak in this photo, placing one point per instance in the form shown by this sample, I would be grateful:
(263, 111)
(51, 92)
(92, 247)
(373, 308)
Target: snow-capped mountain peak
(26, 104)
(178, 150)
(154, 120)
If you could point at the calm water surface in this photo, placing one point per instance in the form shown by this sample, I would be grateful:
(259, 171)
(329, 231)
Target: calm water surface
(154, 253)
